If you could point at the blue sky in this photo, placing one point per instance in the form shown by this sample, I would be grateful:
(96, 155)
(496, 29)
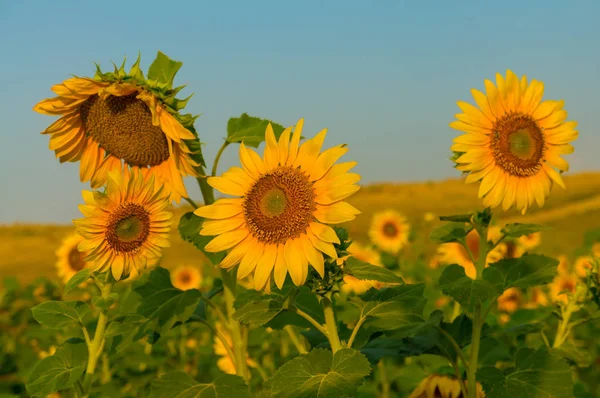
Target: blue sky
(382, 76)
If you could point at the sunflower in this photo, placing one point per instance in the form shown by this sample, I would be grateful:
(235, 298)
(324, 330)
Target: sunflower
(513, 142)
(537, 298)
(511, 249)
(120, 119)
(389, 231)
(70, 260)
(278, 225)
(562, 283)
(530, 241)
(563, 265)
(455, 253)
(366, 254)
(126, 226)
(439, 386)
(429, 217)
(510, 300)
(582, 265)
(186, 277)
(596, 250)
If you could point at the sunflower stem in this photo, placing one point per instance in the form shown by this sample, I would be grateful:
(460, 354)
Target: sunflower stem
(563, 327)
(330, 325)
(229, 287)
(97, 344)
(218, 157)
(208, 194)
(191, 202)
(295, 339)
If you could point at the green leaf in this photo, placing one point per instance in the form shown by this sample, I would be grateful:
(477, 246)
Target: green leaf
(164, 304)
(456, 284)
(258, 313)
(318, 374)
(451, 232)
(517, 229)
(58, 371)
(181, 385)
(61, 314)
(250, 130)
(393, 308)
(162, 71)
(365, 271)
(579, 356)
(189, 230)
(125, 328)
(525, 271)
(77, 280)
(458, 218)
(537, 374)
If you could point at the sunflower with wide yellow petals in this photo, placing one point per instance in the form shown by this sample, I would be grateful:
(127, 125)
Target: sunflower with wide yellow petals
(120, 120)
(126, 226)
(278, 223)
(440, 386)
(513, 142)
(70, 259)
(186, 277)
(389, 231)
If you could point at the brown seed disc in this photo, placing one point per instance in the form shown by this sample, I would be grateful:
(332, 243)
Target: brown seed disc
(123, 127)
(280, 205)
(518, 145)
(76, 261)
(128, 228)
(390, 229)
(185, 277)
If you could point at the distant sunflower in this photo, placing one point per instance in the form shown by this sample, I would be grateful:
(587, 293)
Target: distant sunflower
(126, 226)
(561, 285)
(563, 265)
(389, 231)
(455, 253)
(186, 277)
(530, 241)
(429, 216)
(70, 260)
(582, 265)
(278, 225)
(439, 386)
(513, 142)
(537, 298)
(122, 119)
(510, 300)
(596, 250)
(511, 249)
(366, 254)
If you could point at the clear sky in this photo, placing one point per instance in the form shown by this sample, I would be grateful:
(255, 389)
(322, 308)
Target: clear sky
(382, 76)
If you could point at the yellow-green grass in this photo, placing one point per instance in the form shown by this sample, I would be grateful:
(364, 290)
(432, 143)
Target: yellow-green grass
(28, 251)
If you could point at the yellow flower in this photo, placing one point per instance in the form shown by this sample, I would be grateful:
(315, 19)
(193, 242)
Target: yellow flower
(455, 253)
(513, 142)
(429, 216)
(530, 241)
(119, 119)
(537, 298)
(186, 277)
(563, 265)
(596, 250)
(70, 260)
(438, 386)
(565, 282)
(366, 254)
(389, 231)
(582, 265)
(126, 226)
(510, 300)
(278, 225)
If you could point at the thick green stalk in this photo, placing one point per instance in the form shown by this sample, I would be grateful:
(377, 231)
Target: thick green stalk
(229, 285)
(207, 191)
(330, 325)
(563, 327)
(97, 344)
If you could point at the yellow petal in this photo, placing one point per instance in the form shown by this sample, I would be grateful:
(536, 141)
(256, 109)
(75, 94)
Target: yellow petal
(468, 128)
(325, 161)
(323, 232)
(210, 228)
(293, 252)
(280, 270)
(336, 194)
(488, 182)
(483, 104)
(171, 127)
(236, 254)
(293, 148)
(250, 259)
(493, 97)
(545, 109)
(226, 240)
(251, 162)
(532, 97)
(284, 145)
(336, 213)
(264, 267)
(475, 114)
(553, 175)
(271, 153)
(509, 197)
(222, 208)
(325, 247)
(314, 257)
(239, 176)
(226, 186)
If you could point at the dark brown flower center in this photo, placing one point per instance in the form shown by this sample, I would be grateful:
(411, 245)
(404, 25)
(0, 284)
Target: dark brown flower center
(123, 127)
(280, 205)
(390, 229)
(76, 261)
(128, 228)
(518, 145)
(185, 277)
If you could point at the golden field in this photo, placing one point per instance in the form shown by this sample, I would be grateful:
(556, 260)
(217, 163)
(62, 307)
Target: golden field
(27, 250)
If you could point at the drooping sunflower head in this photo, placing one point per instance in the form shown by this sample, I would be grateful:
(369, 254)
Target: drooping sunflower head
(389, 231)
(513, 142)
(440, 386)
(122, 120)
(70, 260)
(366, 254)
(278, 223)
(186, 277)
(126, 226)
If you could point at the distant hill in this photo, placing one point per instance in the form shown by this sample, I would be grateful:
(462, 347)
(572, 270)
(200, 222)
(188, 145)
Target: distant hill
(27, 250)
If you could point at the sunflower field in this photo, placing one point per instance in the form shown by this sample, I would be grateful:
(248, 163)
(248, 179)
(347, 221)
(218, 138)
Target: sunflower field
(284, 294)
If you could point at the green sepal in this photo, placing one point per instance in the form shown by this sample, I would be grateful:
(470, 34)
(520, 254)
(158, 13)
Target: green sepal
(162, 71)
